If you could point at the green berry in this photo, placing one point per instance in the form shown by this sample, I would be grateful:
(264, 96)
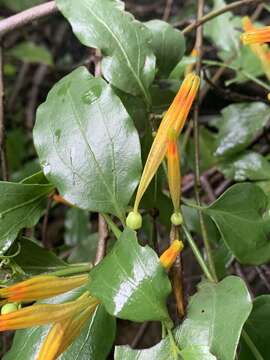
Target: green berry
(9, 308)
(134, 220)
(176, 218)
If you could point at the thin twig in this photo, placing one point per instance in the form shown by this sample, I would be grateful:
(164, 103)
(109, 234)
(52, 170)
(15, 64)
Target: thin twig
(17, 21)
(199, 43)
(216, 13)
(140, 334)
(2, 121)
(167, 10)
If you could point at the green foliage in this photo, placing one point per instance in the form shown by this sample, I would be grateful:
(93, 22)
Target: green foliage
(89, 173)
(40, 261)
(128, 62)
(216, 315)
(238, 216)
(121, 281)
(221, 30)
(29, 52)
(168, 45)
(94, 341)
(248, 165)
(21, 206)
(257, 328)
(238, 126)
(19, 5)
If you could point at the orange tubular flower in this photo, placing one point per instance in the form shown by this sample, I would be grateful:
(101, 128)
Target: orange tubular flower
(261, 51)
(41, 287)
(169, 256)
(174, 175)
(256, 36)
(175, 119)
(67, 318)
(63, 333)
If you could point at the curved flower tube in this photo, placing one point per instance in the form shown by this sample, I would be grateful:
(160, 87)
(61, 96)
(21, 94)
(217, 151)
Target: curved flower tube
(256, 36)
(261, 51)
(175, 119)
(41, 287)
(67, 319)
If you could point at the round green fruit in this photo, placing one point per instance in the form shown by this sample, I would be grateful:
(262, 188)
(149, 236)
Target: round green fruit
(134, 220)
(176, 219)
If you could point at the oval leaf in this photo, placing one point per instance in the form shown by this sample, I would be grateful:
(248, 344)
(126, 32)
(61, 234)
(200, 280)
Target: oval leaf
(238, 126)
(238, 216)
(130, 281)
(216, 315)
(87, 144)
(128, 62)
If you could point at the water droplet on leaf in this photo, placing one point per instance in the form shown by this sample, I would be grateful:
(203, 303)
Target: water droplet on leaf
(57, 134)
(46, 168)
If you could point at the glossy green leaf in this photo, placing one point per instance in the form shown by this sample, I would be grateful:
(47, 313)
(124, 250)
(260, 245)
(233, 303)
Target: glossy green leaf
(77, 226)
(130, 282)
(238, 216)
(87, 144)
(128, 62)
(168, 45)
(40, 261)
(29, 52)
(197, 353)
(221, 30)
(93, 343)
(216, 315)
(248, 165)
(161, 351)
(257, 327)
(21, 206)
(239, 125)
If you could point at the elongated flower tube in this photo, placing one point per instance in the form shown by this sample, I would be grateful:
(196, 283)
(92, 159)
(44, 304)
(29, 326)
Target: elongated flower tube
(63, 333)
(169, 256)
(261, 51)
(175, 119)
(256, 36)
(41, 314)
(174, 175)
(41, 287)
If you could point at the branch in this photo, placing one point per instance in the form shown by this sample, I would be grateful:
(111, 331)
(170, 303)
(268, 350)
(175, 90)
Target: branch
(216, 13)
(25, 17)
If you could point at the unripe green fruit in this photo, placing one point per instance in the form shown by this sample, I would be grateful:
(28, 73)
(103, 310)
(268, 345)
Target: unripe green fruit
(134, 220)
(9, 308)
(176, 218)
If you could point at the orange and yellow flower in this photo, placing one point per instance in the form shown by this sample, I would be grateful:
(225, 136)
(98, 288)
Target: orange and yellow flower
(40, 287)
(169, 256)
(260, 50)
(174, 119)
(256, 36)
(67, 318)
